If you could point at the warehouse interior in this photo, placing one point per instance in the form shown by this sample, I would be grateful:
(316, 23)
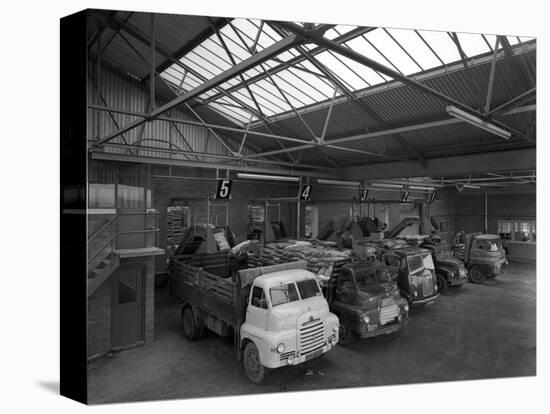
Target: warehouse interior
(306, 123)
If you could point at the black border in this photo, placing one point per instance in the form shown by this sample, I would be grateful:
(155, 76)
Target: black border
(73, 159)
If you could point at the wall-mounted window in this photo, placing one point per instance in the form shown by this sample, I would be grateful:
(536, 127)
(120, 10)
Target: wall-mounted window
(518, 231)
(255, 214)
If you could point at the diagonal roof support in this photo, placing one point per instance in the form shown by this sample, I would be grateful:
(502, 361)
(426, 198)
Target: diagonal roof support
(241, 67)
(515, 102)
(359, 58)
(352, 34)
(352, 98)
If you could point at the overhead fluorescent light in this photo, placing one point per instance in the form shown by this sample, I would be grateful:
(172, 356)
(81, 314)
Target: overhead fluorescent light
(268, 177)
(386, 185)
(478, 122)
(338, 182)
(421, 188)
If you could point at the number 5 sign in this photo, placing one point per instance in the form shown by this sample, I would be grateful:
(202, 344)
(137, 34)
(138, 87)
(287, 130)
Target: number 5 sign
(224, 189)
(305, 195)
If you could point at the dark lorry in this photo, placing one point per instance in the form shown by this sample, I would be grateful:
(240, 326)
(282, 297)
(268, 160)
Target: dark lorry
(450, 271)
(367, 301)
(483, 256)
(415, 272)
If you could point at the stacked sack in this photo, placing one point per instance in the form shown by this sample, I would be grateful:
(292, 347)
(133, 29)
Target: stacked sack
(322, 258)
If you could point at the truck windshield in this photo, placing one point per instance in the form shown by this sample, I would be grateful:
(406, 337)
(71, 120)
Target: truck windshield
(308, 288)
(418, 262)
(285, 293)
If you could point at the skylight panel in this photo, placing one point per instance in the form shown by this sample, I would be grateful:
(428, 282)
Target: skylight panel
(269, 91)
(213, 58)
(472, 44)
(340, 70)
(442, 44)
(360, 45)
(238, 117)
(416, 47)
(295, 87)
(196, 67)
(525, 39)
(513, 40)
(235, 46)
(389, 48)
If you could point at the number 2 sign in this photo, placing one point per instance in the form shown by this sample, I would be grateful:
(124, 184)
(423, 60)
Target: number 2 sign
(224, 189)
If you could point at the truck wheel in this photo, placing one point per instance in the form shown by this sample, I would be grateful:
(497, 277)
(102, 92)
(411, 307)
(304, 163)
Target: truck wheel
(476, 274)
(253, 367)
(190, 328)
(345, 336)
(442, 284)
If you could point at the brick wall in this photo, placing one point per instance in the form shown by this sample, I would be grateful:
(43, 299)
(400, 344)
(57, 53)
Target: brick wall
(242, 192)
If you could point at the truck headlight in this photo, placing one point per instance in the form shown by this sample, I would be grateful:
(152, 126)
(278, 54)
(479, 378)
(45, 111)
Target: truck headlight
(281, 348)
(415, 294)
(406, 307)
(365, 318)
(335, 328)
(435, 287)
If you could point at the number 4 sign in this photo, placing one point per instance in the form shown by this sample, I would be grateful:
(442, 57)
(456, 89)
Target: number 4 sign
(305, 195)
(224, 189)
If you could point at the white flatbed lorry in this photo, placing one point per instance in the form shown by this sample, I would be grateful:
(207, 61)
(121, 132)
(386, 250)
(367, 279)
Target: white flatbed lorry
(276, 314)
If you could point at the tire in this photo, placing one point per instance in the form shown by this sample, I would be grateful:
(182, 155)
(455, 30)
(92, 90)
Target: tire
(345, 335)
(442, 284)
(476, 275)
(190, 328)
(253, 367)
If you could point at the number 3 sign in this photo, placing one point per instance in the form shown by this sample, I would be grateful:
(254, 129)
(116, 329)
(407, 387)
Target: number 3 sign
(224, 189)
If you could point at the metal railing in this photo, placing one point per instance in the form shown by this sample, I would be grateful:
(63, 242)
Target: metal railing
(113, 236)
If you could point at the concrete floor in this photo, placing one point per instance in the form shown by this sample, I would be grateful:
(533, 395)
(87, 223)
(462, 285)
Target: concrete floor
(473, 332)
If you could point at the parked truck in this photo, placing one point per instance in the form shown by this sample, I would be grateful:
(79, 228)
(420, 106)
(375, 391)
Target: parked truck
(276, 314)
(366, 299)
(449, 270)
(482, 254)
(415, 272)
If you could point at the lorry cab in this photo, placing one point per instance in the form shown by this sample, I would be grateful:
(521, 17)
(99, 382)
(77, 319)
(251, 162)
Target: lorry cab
(483, 256)
(415, 272)
(287, 322)
(366, 299)
(449, 270)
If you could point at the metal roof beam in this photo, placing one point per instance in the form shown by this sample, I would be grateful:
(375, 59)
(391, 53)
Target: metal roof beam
(359, 58)
(217, 24)
(515, 102)
(352, 98)
(352, 34)
(241, 67)
(385, 132)
(321, 172)
(464, 164)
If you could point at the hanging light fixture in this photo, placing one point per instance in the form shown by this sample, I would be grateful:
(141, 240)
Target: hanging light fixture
(478, 122)
(268, 177)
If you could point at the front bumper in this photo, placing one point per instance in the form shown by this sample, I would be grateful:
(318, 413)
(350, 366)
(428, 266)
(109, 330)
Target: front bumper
(425, 301)
(458, 282)
(384, 330)
(296, 360)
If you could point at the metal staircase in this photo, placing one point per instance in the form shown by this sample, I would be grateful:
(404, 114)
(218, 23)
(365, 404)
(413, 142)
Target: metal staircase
(107, 243)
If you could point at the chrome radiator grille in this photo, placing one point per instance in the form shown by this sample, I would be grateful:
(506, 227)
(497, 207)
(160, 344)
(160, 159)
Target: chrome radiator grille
(312, 336)
(388, 314)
